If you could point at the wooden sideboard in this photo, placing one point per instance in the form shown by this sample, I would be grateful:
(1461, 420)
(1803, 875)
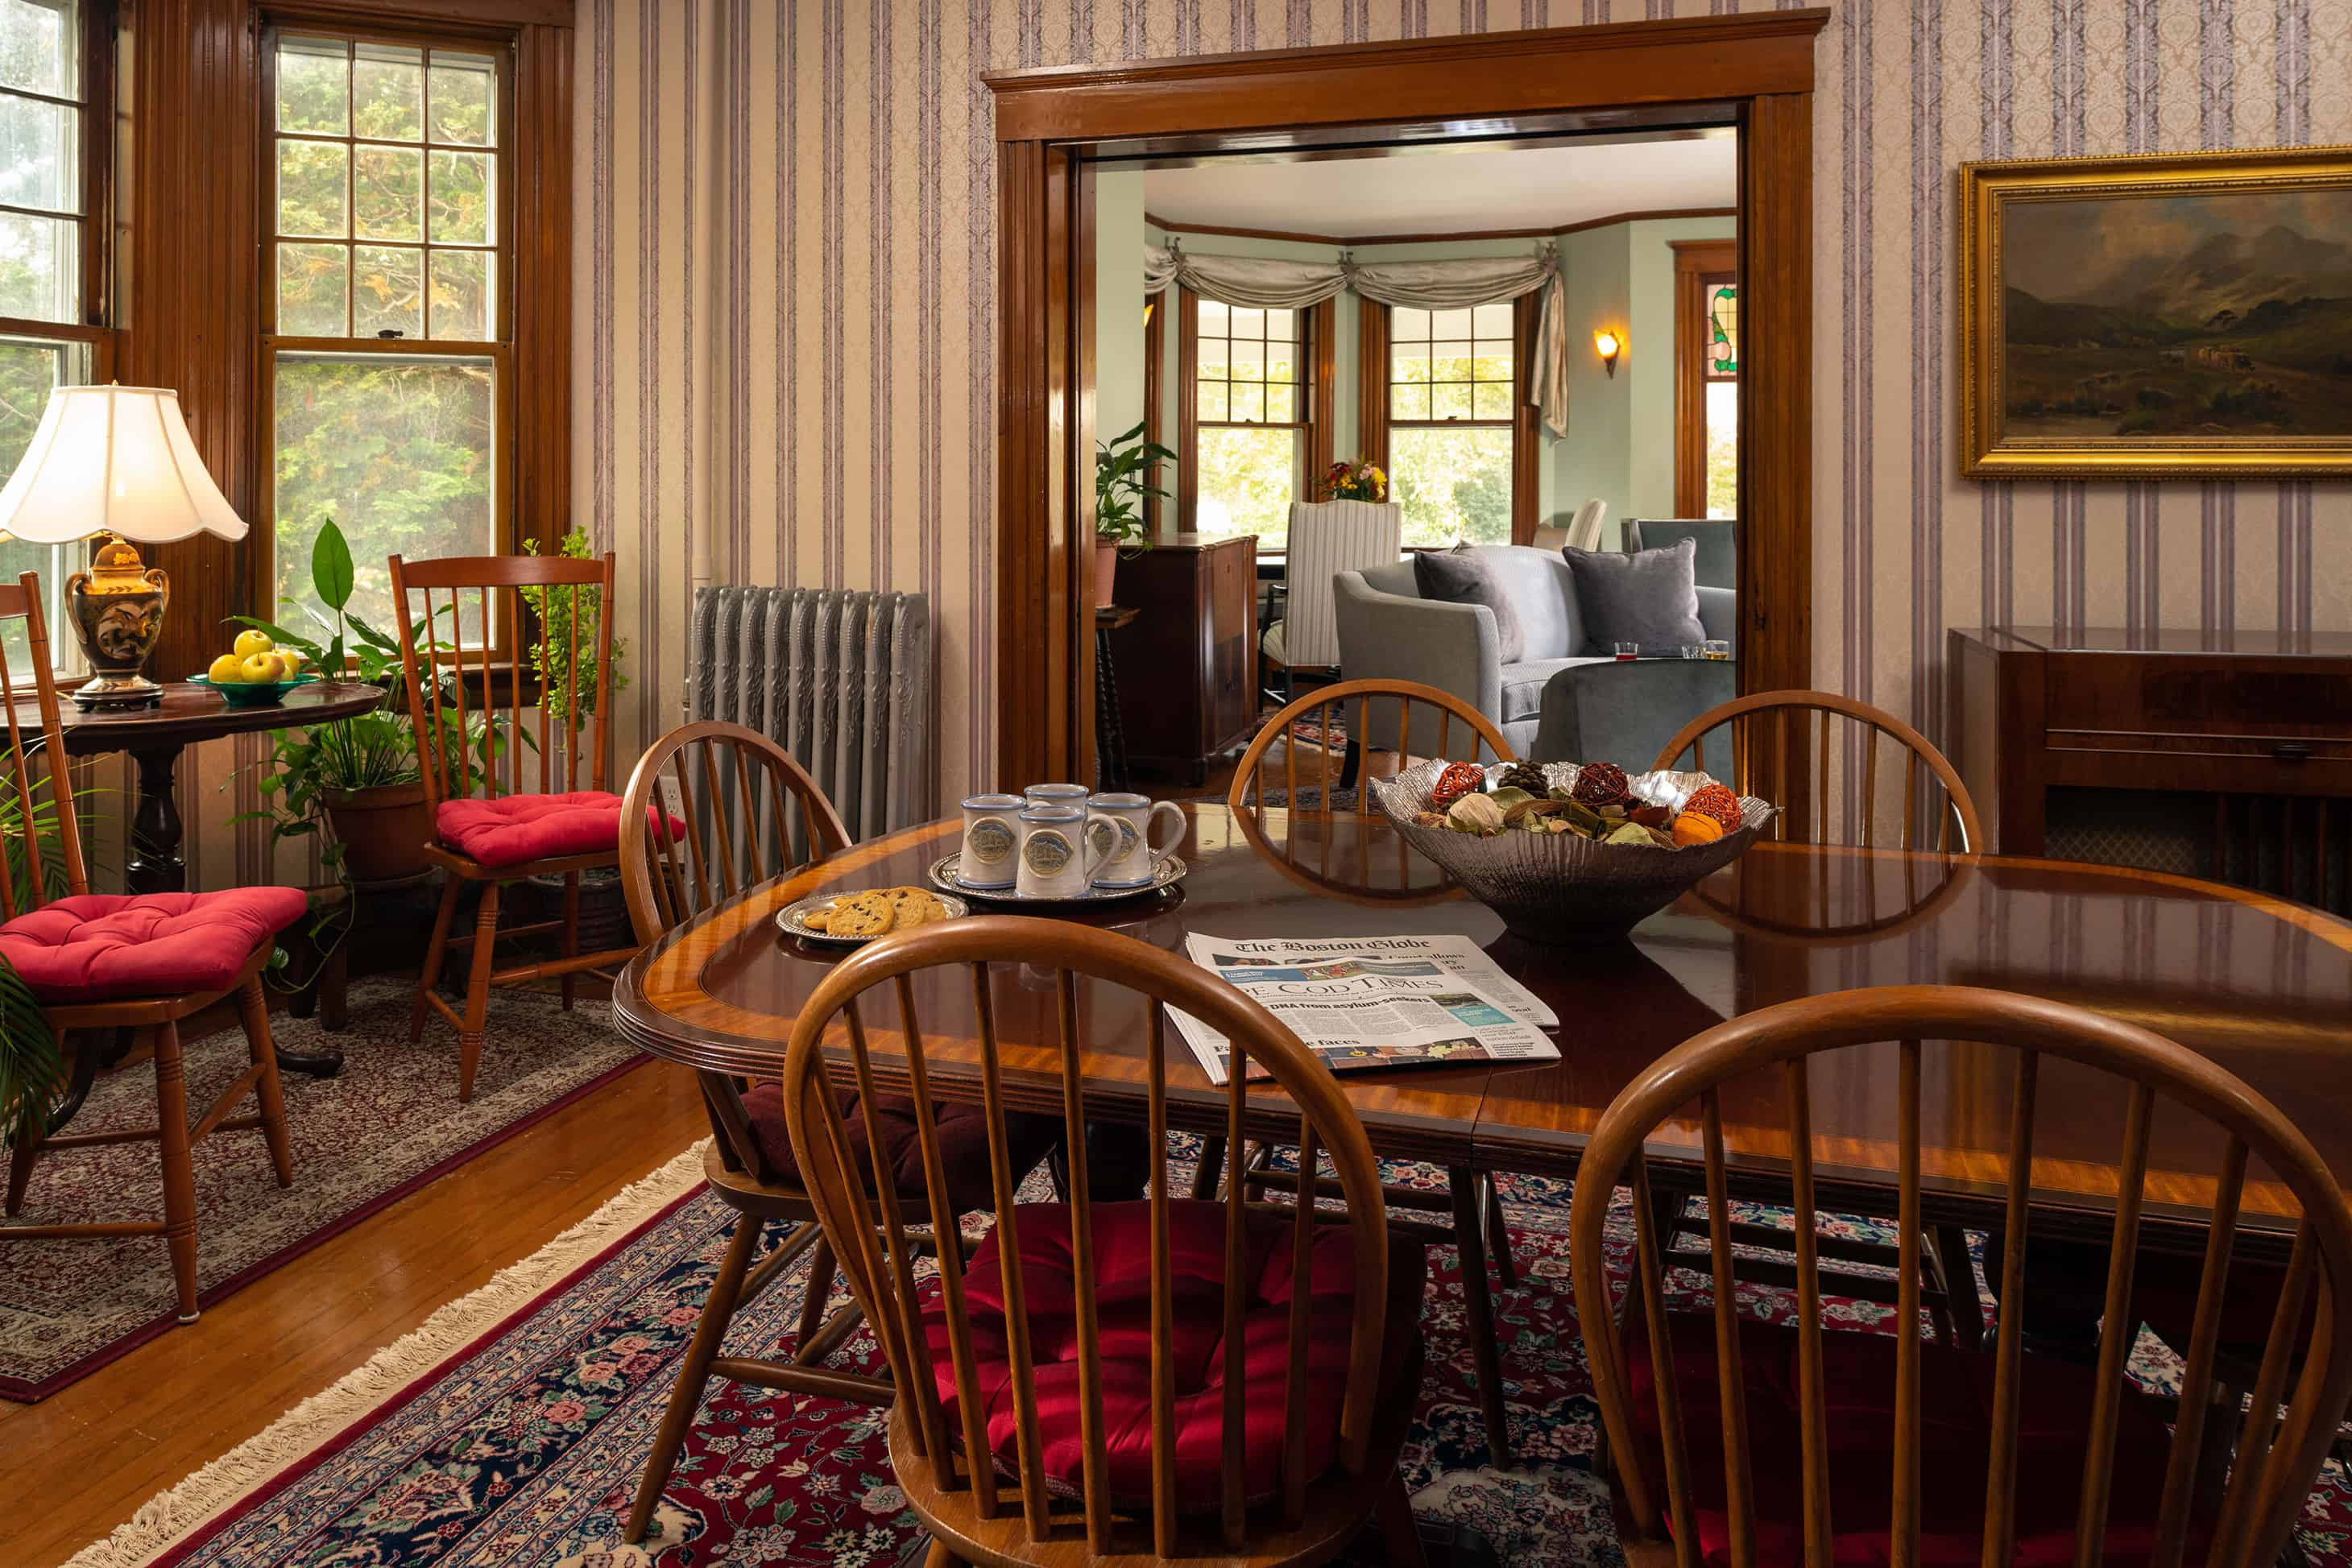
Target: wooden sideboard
(1188, 662)
(2227, 758)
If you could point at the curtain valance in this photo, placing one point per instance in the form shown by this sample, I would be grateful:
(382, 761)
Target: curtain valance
(1264, 283)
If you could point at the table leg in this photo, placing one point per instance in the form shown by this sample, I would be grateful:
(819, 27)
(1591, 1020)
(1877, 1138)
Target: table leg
(1110, 736)
(155, 864)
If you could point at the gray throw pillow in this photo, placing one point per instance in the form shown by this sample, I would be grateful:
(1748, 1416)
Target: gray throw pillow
(1650, 597)
(1465, 575)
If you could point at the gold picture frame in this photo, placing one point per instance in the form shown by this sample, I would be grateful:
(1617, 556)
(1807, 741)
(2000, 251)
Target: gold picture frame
(2159, 316)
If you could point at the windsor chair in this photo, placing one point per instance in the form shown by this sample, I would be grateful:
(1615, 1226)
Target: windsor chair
(713, 809)
(112, 961)
(1951, 1281)
(1083, 1351)
(1719, 1427)
(496, 822)
(1471, 1199)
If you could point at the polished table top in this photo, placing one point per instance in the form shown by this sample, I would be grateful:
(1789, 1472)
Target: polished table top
(2261, 987)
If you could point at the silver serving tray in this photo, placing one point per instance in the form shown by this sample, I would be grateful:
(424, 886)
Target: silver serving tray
(789, 918)
(1171, 870)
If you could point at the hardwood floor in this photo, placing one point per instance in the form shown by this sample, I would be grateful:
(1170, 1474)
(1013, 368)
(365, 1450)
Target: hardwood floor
(81, 1463)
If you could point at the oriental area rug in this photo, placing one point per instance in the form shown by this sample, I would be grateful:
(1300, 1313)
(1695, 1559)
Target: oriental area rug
(389, 1122)
(510, 1429)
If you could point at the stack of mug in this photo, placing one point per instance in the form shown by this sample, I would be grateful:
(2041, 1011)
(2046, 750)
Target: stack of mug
(1063, 841)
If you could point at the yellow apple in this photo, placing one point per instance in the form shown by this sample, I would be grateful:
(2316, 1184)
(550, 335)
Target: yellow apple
(261, 669)
(293, 659)
(227, 671)
(248, 644)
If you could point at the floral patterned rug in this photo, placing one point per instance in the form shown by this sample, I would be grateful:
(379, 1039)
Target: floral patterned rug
(523, 1447)
(387, 1123)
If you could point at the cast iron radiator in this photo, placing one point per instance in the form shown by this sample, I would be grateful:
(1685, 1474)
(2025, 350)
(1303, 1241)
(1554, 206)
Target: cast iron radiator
(841, 680)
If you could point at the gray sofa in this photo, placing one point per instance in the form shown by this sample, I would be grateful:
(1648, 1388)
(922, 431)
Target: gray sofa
(1388, 631)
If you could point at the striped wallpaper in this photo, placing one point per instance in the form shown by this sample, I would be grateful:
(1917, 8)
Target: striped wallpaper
(785, 325)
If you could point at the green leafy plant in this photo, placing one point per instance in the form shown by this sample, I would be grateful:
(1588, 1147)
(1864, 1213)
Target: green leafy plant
(1122, 480)
(32, 1068)
(564, 657)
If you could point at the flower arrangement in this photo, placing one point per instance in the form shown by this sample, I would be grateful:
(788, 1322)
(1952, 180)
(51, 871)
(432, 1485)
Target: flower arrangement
(1355, 482)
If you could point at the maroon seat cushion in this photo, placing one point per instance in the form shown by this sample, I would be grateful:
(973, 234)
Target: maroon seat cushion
(512, 829)
(98, 947)
(963, 1141)
(1956, 1435)
(1122, 1262)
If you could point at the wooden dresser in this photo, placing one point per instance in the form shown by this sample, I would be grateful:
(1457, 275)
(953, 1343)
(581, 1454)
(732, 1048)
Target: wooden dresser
(2231, 762)
(1188, 664)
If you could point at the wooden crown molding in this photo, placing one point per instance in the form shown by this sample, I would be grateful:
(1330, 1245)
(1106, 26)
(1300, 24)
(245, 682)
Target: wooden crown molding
(1677, 60)
(1456, 237)
(473, 15)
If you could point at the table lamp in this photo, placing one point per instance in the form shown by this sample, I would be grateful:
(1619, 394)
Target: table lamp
(115, 464)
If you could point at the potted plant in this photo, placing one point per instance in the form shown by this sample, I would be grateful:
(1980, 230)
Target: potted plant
(565, 665)
(1122, 479)
(33, 1081)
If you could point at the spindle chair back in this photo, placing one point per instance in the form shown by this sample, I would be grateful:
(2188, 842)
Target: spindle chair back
(1928, 777)
(2276, 1459)
(469, 604)
(1480, 734)
(958, 1494)
(43, 845)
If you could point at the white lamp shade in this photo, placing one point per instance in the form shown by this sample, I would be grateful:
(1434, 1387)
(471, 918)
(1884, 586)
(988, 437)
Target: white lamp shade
(117, 459)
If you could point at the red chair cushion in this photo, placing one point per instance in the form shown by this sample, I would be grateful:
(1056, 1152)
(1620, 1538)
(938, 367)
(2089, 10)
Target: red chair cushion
(1955, 1436)
(1122, 1262)
(96, 947)
(513, 829)
(963, 1141)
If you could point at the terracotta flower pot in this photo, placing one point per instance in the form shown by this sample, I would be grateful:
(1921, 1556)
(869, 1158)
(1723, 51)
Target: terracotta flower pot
(384, 830)
(1106, 568)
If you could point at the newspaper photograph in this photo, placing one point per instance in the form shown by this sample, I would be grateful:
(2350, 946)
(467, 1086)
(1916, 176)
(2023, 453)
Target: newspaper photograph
(1364, 1002)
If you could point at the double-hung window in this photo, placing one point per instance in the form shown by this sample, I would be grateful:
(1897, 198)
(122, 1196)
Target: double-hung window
(387, 312)
(1451, 417)
(1252, 409)
(54, 329)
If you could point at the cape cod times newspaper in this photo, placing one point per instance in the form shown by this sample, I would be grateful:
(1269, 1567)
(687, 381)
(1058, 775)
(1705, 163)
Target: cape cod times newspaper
(1363, 1002)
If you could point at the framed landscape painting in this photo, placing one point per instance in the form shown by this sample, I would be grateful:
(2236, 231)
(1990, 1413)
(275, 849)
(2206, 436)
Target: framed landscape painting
(2174, 316)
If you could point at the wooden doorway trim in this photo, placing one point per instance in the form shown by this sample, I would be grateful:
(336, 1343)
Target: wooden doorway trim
(1758, 67)
(1698, 263)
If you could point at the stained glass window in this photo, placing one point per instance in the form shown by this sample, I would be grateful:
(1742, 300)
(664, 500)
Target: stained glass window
(1723, 329)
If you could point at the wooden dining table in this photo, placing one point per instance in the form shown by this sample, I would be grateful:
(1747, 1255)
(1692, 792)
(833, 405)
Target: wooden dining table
(2260, 986)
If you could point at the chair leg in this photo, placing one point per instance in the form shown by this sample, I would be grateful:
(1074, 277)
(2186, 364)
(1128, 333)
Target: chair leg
(436, 953)
(939, 1556)
(179, 1168)
(478, 991)
(252, 1012)
(1498, 1237)
(20, 1169)
(1485, 1349)
(571, 931)
(1399, 1537)
(1959, 1272)
(685, 1398)
(1213, 1160)
(820, 1289)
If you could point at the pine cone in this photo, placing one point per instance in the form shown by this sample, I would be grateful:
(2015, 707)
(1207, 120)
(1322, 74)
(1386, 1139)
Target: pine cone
(1525, 776)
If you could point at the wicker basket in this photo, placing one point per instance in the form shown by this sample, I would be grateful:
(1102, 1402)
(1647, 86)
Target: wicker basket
(1563, 887)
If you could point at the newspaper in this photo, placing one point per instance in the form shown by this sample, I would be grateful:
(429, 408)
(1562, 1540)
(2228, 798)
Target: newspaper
(1363, 1002)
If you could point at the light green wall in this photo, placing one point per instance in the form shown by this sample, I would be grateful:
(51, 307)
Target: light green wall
(1119, 301)
(1620, 443)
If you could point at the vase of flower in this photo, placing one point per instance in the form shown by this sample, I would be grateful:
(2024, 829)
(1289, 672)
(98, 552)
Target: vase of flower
(1355, 482)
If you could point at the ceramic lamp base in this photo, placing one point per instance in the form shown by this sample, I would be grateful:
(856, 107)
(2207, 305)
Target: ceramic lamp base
(110, 692)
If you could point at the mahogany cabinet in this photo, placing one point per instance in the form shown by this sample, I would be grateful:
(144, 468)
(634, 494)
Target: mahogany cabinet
(2228, 757)
(1188, 662)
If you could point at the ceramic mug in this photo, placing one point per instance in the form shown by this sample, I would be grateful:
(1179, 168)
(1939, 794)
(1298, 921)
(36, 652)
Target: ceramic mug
(1057, 795)
(1121, 824)
(992, 834)
(1056, 862)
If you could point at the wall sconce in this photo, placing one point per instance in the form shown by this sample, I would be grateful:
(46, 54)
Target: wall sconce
(1608, 345)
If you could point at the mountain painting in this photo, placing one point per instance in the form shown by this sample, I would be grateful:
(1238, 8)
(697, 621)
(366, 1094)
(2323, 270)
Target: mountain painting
(2173, 316)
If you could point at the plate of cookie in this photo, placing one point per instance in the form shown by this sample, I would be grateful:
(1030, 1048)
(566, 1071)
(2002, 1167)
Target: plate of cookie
(852, 918)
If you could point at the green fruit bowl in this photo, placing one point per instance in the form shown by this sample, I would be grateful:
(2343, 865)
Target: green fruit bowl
(253, 694)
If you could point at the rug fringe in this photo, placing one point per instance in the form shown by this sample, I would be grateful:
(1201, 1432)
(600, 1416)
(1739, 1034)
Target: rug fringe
(171, 1516)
